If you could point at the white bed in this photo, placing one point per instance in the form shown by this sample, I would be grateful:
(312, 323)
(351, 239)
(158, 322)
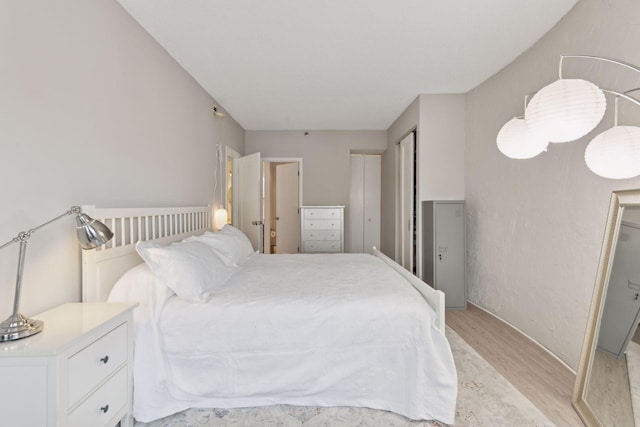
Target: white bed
(308, 330)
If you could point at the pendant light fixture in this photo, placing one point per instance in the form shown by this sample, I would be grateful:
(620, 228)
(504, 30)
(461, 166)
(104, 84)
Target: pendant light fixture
(569, 109)
(566, 110)
(517, 141)
(615, 153)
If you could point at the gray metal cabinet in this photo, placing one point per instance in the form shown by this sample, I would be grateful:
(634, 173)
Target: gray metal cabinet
(444, 249)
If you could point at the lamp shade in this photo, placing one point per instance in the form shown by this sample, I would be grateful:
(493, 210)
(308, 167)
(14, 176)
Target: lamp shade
(91, 233)
(566, 110)
(219, 218)
(516, 141)
(615, 153)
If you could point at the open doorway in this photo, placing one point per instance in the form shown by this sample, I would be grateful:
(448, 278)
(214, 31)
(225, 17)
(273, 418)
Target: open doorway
(282, 198)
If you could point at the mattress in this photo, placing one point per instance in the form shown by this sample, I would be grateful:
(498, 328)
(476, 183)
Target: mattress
(307, 330)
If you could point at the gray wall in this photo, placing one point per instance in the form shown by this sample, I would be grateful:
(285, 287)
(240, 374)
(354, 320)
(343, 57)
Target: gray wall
(440, 149)
(92, 111)
(536, 226)
(325, 159)
(405, 123)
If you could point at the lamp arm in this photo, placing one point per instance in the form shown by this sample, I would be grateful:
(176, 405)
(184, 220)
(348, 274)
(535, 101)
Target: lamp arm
(23, 236)
(623, 95)
(618, 96)
(598, 58)
(91, 234)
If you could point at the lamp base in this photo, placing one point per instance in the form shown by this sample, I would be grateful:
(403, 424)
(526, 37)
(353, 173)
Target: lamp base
(17, 326)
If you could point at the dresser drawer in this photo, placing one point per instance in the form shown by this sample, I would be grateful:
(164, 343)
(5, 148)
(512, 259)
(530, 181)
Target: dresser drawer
(104, 404)
(321, 224)
(322, 213)
(322, 246)
(322, 235)
(94, 363)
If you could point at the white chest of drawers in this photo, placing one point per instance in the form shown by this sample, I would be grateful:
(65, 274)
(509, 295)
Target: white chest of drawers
(322, 229)
(76, 372)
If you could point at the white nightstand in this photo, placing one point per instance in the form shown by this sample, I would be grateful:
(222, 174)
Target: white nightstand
(76, 372)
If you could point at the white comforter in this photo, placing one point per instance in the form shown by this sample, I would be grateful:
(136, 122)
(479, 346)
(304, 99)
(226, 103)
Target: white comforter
(309, 330)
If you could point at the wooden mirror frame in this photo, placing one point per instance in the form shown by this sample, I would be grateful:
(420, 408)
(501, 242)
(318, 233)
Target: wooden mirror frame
(619, 200)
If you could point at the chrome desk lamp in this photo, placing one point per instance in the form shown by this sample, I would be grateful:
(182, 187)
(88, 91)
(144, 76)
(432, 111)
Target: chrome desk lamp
(91, 234)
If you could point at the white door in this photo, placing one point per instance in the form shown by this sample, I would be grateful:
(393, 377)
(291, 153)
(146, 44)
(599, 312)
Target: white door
(364, 203)
(356, 204)
(287, 208)
(250, 199)
(622, 303)
(406, 223)
(372, 188)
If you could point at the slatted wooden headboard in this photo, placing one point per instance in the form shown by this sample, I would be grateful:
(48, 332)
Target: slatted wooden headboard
(102, 267)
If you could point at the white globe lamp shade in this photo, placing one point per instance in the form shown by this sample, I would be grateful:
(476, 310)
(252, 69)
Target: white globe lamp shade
(615, 153)
(219, 218)
(516, 141)
(566, 110)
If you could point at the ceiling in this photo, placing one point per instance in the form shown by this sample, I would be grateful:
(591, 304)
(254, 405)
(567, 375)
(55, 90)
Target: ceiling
(340, 64)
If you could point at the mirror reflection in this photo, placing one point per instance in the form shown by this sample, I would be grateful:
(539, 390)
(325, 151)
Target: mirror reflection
(613, 390)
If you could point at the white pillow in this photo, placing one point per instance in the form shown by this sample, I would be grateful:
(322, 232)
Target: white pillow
(140, 285)
(230, 243)
(192, 270)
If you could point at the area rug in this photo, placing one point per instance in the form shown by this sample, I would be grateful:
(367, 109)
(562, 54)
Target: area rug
(633, 366)
(485, 398)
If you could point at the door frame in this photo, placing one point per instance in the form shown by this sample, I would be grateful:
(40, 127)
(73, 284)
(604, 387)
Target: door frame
(299, 161)
(399, 223)
(234, 155)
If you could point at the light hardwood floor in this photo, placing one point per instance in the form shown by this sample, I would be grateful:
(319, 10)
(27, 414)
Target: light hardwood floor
(540, 377)
(609, 391)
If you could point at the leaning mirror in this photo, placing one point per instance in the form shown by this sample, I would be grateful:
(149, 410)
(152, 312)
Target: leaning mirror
(607, 390)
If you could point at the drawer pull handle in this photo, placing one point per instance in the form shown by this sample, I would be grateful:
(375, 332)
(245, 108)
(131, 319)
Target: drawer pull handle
(105, 360)
(104, 409)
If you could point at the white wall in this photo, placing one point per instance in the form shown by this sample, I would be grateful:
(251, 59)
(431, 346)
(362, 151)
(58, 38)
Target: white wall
(92, 111)
(325, 157)
(536, 226)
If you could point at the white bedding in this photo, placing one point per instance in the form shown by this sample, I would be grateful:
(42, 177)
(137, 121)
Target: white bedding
(309, 330)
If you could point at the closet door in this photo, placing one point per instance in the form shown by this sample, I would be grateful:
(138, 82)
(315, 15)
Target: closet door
(356, 205)
(371, 212)
(364, 203)
(405, 232)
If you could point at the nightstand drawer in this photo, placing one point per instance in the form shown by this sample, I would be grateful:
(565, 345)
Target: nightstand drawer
(94, 363)
(102, 405)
